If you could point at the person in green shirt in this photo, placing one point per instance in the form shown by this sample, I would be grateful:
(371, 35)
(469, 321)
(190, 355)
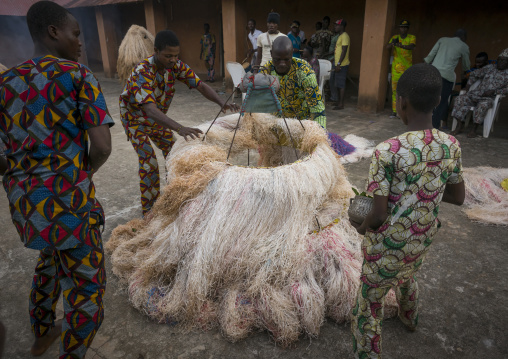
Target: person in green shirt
(402, 46)
(445, 56)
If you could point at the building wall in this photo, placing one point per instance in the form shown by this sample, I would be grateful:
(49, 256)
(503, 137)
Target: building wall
(16, 43)
(485, 23)
(186, 19)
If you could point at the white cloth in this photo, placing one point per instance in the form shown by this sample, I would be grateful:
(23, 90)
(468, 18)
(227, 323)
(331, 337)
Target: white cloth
(267, 46)
(254, 38)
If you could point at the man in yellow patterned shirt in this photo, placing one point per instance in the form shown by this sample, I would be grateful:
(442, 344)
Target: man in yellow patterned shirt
(402, 46)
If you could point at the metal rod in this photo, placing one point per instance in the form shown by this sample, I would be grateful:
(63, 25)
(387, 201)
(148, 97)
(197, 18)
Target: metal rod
(291, 137)
(319, 226)
(229, 98)
(248, 157)
(291, 107)
(233, 140)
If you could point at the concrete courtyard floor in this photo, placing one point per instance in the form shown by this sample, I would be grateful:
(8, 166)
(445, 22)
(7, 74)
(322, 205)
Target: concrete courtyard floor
(463, 283)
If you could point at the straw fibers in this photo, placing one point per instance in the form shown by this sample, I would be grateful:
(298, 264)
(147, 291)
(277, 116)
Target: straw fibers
(136, 46)
(486, 201)
(3, 68)
(247, 248)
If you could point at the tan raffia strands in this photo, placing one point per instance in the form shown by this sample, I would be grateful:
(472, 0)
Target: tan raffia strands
(240, 247)
(2, 68)
(136, 46)
(486, 201)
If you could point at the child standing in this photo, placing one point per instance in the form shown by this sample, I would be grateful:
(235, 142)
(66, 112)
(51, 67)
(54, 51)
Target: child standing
(208, 52)
(409, 175)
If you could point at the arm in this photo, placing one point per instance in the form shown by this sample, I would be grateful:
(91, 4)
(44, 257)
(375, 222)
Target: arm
(201, 50)
(432, 54)
(211, 95)
(258, 59)
(100, 146)
(454, 193)
(376, 217)
(3, 165)
(313, 98)
(161, 119)
(406, 47)
(466, 64)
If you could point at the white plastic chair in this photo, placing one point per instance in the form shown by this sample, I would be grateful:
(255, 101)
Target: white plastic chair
(490, 117)
(324, 74)
(237, 73)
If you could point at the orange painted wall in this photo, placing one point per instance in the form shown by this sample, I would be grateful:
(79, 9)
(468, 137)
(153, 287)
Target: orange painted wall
(486, 23)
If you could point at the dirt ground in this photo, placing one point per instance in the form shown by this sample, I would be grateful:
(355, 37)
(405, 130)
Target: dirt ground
(462, 284)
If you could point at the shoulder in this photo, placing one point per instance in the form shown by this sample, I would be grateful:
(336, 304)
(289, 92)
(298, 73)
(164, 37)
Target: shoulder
(411, 37)
(257, 32)
(281, 34)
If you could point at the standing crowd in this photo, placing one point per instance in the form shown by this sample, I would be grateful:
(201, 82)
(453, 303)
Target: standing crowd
(56, 127)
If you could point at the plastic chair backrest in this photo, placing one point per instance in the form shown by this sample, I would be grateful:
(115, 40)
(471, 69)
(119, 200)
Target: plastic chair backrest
(324, 73)
(236, 71)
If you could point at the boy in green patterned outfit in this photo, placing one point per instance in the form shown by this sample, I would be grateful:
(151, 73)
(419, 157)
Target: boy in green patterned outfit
(409, 176)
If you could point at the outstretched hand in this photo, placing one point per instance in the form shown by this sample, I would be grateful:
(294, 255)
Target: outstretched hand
(193, 133)
(233, 107)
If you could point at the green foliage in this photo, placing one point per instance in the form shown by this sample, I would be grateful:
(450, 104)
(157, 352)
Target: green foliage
(363, 194)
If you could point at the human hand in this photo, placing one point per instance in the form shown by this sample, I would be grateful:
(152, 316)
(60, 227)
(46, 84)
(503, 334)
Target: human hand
(193, 133)
(489, 93)
(233, 107)
(357, 226)
(337, 68)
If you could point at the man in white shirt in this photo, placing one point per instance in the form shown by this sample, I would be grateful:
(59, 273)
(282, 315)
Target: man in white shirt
(253, 39)
(265, 40)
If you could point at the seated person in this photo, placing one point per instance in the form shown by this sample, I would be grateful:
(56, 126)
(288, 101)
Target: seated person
(494, 81)
(299, 93)
(312, 60)
(481, 60)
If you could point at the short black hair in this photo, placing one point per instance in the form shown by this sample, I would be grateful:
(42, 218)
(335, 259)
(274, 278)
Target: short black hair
(319, 24)
(165, 38)
(421, 86)
(327, 18)
(43, 14)
(253, 21)
(297, 22)
(481, 55)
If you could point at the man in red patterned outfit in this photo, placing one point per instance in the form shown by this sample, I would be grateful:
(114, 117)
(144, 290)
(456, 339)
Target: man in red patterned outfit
(144, 103)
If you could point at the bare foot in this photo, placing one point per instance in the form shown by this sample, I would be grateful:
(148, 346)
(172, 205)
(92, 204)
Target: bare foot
(456, 131)
(472, 134)
(42, 344)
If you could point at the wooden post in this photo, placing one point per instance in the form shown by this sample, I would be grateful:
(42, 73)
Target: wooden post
(378, 24)
(106, 26)
(229, 36)
(155, 16)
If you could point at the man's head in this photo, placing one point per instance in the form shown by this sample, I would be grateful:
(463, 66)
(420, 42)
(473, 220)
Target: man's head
(295, 27)
(319, 25)
(502, 60)
(167, 49)
(461, 34)
(251, 24)
(55, 28)
(272, 22)
(481, 60)
(404, 27)
(326, 22)
(340, 25)
(418, 88)
(282, 53)
(206, 27)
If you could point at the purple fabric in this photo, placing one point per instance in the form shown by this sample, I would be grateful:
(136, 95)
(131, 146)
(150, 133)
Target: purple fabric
(340, 146)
